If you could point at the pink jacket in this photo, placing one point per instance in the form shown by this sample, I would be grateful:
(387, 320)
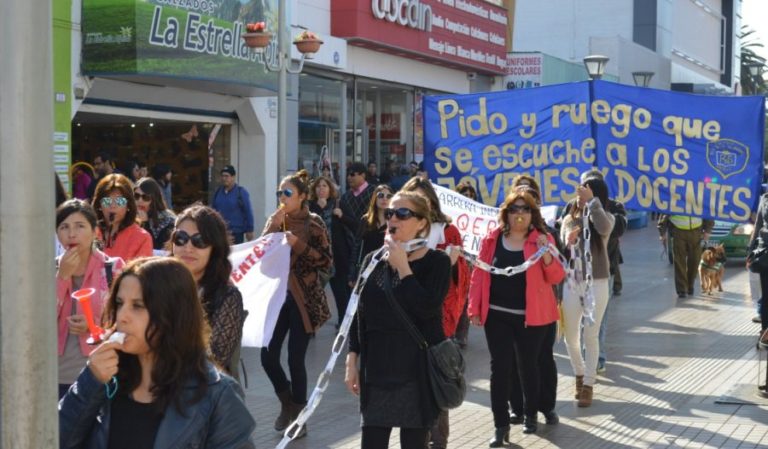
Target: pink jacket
(540, 303)
(95, 277)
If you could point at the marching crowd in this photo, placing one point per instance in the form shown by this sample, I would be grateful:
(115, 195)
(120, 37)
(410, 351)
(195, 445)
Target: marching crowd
(175, 371)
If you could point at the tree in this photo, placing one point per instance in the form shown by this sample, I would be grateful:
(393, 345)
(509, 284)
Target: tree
(751, 84)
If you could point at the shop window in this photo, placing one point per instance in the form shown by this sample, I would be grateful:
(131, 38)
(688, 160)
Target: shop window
(182, 146)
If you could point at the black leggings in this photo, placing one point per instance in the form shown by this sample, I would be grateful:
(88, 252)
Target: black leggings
(515, 350)
(289, 321)
(378, 438)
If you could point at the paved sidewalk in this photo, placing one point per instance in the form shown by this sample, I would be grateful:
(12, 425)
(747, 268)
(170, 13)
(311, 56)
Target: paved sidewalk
(668, 361)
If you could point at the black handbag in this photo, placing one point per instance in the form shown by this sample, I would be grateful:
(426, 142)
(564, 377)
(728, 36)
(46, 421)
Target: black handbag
(445, 362)
(758, 257)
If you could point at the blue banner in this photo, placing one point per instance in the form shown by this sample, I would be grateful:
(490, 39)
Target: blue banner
(664, 151)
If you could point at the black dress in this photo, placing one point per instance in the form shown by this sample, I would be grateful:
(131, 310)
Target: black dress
(393, 372)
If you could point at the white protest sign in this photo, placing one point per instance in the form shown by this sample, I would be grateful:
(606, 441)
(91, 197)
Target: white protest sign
(260, 271)
(474, 219)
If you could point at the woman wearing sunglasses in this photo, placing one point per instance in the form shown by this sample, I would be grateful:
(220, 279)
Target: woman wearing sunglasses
(156, 389)
(385, 366)
(592, 194)
(370, 235)
(200, 241)
(516, 311)
(153, 214)
(305, 308)
(324, 201)
(115, 205)
(443, 235)
(81, 266)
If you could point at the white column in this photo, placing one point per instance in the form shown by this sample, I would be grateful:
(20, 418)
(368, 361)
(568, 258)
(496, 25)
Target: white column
(28, 363)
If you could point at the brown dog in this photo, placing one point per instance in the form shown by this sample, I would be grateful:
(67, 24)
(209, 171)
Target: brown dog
(711, 268)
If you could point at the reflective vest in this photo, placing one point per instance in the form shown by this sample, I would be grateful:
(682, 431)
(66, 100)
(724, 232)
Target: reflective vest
(684, 222)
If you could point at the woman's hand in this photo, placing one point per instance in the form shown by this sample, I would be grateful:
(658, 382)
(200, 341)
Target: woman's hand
(337, 212)
(103, 361)
(352, 374)
(141, 214)
(77, 324)
(573, 236)
(585, 194)
(69, 263)
(398, 259)
(291, 238)
(543, 242)
(475, 320)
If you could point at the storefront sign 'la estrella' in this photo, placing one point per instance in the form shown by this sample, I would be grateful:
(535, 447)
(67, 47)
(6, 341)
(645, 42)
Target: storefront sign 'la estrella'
(179, 38)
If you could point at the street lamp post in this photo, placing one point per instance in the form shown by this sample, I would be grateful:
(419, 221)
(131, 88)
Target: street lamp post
(755, 70)
(642, 79)
(595, 65)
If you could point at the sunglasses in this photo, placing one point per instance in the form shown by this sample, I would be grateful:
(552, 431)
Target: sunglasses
(142, 196)
(515, 209)
(402, 213)
(119, 201)
(180, 238)
(386, 195)
(287, 192)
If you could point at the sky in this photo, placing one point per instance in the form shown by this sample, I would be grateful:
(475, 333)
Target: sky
(754, 13)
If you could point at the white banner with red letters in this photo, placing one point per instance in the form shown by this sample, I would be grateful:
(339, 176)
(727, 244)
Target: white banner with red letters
(474, 219)
(259, 270)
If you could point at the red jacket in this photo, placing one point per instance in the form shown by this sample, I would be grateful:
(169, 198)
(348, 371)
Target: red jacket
(540, 303)
(453, 304)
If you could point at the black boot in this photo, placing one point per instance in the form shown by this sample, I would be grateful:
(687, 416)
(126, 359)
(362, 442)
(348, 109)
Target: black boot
(500, 437)
(286, 403)
(530, 424)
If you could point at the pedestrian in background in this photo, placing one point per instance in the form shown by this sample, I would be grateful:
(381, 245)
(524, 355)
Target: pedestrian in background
(592, 194)
(760, 234)
(462, 329)
(305, 308)
(687, 235)
(385, 366)
(115, 206)
(200, 241)
(233, 202)
(163, 175)
(370, 235)
(161, 391)
(324, 201)
(517, 312)
(152, 213)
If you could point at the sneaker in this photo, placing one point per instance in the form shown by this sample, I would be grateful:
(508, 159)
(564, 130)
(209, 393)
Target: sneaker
(617, 293)
(681, 295)
(757, 319)
(601, 368)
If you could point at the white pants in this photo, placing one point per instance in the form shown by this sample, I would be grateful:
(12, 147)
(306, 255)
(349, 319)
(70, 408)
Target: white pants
(572, 315)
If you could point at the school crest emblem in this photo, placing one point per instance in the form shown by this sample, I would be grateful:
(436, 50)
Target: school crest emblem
(728, 157)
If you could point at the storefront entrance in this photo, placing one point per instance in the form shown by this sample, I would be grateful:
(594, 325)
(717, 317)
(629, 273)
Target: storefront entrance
(194, 150)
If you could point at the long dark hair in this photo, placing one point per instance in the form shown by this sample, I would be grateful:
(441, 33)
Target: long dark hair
(61, 192)
(600, 191)
(176, 333)
(426, 186)
(124, 186)
(150, 187)
(213, 229)
(371, 217)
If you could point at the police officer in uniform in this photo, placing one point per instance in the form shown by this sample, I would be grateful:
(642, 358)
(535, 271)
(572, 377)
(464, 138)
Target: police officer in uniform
(687, 234)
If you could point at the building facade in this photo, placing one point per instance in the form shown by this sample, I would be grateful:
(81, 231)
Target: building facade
(169, 82)
(689, 45)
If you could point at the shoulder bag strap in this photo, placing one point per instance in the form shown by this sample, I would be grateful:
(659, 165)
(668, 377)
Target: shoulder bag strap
(420, 341)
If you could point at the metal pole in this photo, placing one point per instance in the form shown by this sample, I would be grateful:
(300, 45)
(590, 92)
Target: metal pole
(28, 363)
(282, 91)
